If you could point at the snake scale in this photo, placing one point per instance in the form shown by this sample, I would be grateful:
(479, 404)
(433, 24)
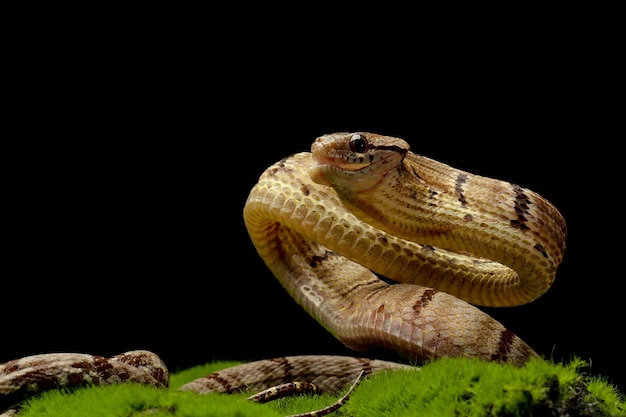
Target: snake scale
(387, 249)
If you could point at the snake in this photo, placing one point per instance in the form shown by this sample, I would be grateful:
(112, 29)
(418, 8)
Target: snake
(388, 250)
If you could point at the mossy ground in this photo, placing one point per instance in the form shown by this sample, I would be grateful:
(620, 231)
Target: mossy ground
(447, 387)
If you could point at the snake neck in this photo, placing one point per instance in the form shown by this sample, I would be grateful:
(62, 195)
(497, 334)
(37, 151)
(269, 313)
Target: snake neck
(425, 201)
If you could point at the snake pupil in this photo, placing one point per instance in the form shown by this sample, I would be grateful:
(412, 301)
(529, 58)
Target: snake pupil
(358, 143)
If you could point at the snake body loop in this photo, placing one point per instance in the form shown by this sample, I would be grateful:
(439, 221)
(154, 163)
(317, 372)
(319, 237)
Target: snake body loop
(323, 221)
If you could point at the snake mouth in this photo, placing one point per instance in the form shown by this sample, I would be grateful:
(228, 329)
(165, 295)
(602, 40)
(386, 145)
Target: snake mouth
(338, 173)
(342, 163)
(363, 172)
(328, 170)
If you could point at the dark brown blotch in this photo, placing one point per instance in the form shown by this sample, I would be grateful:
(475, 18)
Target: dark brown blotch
(505, 343)
(224, 383)
(424, 300)
(416, 174)
(316, 261)
(103, 367)
(541, 250)
(520, 206)
(461, 179)
(366, 365)
(519, 224)
(76, 378)
(283, 364)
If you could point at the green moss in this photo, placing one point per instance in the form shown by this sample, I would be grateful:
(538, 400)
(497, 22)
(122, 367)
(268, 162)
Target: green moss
(132, 400)
(446, 387)
(465, 387)
(611, 399)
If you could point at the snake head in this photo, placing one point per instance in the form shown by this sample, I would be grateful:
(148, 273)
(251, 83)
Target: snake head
(355, 161)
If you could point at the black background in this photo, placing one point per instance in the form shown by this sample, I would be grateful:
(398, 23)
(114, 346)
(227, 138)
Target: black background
(137, 153)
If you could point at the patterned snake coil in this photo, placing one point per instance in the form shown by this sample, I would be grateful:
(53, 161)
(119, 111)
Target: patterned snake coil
(335, 226)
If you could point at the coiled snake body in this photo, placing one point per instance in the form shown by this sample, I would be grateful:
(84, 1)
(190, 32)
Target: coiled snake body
(330, 222)
(482, 240)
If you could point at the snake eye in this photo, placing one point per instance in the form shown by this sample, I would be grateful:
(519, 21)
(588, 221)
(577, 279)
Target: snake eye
(358, 143)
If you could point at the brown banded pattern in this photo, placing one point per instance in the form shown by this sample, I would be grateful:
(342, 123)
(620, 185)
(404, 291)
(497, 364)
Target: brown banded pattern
(328, 373)
(24, 377)
(449, 238)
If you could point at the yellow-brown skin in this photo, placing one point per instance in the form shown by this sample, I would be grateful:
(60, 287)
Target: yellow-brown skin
(323, 221)
(419, 199)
